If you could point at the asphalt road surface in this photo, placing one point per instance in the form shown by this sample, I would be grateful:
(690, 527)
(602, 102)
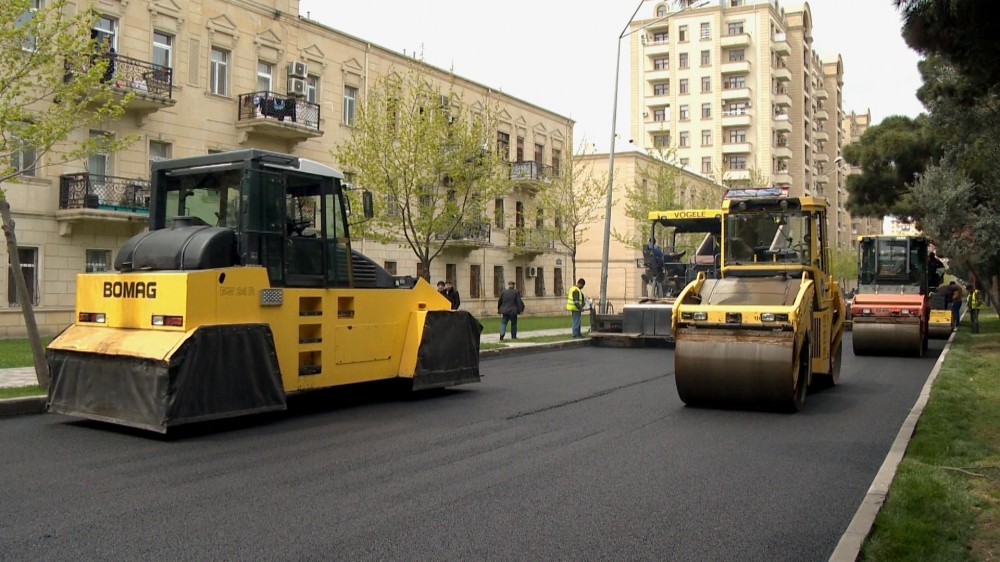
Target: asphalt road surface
(580, 454)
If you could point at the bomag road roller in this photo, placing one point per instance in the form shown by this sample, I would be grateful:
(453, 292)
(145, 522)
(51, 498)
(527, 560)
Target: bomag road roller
(891, 309)
(773, 322)
(244, 290)
(666, 269)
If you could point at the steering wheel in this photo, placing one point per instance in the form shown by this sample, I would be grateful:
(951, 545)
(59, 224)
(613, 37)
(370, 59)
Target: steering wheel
(295, 228)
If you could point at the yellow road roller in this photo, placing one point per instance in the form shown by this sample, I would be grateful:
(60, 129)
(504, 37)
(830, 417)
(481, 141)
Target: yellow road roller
(891, 309)
(773, 322)
(244, 290)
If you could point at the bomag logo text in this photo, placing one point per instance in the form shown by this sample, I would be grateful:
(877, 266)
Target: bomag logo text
(130, 289)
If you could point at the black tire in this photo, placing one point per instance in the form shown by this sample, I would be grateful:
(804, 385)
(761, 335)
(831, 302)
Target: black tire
(802, 382)
(831, 379)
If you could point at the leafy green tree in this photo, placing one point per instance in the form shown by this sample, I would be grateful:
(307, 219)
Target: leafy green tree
(51, 84)
(429, 160)
(657, 187)
(845, 266)
(573, 199)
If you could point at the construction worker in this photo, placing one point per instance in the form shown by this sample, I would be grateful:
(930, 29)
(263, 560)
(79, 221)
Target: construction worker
(575, 302)
(975, 302)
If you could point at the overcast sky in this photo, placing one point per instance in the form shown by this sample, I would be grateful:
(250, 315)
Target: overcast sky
(560, 55)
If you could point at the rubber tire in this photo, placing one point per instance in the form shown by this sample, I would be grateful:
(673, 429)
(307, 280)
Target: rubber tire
(799, 398)
(833, 378)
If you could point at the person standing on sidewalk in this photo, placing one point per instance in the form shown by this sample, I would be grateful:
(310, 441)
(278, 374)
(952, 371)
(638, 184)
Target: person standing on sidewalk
(956, 305)
(575, 302)
(509, 306)
(451, 293)
(974, 302)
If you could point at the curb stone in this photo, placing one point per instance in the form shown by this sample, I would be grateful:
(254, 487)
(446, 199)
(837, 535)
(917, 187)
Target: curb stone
(28, 405)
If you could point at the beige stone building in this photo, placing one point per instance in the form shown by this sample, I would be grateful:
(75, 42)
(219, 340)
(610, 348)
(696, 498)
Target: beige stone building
(855, 125)
(738, 89)
(218, 75)
(633, 168)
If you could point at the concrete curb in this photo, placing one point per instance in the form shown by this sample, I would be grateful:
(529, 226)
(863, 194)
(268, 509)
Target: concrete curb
(525, 349)
(861, 525)
(27, 405)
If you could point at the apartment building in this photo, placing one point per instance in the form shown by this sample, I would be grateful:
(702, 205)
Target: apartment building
(738, 89)
(219, 75)
(632, 168)
(854, 125)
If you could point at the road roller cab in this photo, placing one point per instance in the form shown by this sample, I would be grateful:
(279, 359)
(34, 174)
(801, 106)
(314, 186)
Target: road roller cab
(773, 322)
(891, 310)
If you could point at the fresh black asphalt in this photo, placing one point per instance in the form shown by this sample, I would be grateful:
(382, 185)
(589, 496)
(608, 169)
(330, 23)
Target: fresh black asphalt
(578, 454)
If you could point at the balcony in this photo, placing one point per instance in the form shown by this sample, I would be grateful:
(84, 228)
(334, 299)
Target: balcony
(530, 174)
(781, 99)
(85, 196)
(657, 48)
(821, 157)
(821, 136)
(277, 116)
(658, 100)
(736, 174)
(529, 241)
(782, 151)
(779, 44)
(736, 67)
(821, 115)
(736, 118)
(736, 93)
(781, 74)
(737, 148)
(781, 177)
(782, 123)
(735, 40)
(821, 94)
(822, 178)
(658, 74)
(151, 85)
(470, 235)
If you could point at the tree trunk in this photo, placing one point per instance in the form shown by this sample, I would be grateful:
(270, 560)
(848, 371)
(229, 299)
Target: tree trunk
(37, 353)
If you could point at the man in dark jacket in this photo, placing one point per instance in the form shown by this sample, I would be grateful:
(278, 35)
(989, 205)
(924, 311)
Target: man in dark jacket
(509, 306)
(451, 293)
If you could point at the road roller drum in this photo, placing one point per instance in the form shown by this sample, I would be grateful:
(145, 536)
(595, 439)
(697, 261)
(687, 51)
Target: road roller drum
(872, 338)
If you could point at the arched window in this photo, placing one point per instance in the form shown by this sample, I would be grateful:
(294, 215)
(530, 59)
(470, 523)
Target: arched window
(661, 11)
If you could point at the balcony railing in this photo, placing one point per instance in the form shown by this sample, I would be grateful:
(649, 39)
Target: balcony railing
(476, 233)
(530, 170)
(272, 106)
(110, 193)
(137, 75)
(530, 239)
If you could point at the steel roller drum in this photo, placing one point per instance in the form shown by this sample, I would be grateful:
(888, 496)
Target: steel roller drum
(729, 367)
(887, 338)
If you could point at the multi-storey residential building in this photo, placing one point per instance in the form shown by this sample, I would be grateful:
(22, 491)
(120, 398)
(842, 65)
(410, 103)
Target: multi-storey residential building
(217, 75)
(736, 88)
(855, 125)
(632, 168)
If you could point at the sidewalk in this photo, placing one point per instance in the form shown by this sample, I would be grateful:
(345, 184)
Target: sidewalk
(25, 376)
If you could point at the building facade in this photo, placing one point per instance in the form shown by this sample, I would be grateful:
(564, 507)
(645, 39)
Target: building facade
(633, 168)
(738, 91)
(854, 125)
(219, 75)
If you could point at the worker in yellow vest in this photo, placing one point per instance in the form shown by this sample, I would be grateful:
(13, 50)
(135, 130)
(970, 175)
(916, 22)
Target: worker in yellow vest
(975, 302)
(575, 303)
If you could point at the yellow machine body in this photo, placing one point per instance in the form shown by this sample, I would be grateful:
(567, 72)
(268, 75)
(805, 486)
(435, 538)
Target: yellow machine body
(773, 323)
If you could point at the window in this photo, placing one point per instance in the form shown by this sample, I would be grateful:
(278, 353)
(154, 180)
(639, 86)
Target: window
(706, 58)
(706, 137)
(661, 64)
(159, 150)
(421, 272)
(312, 88)
(163, 48)
(682, 33)
(220, 72)
(685, 113)
(30, 43)
(660, 37)
(684, 86)
(706, 31)
(661, 11)
(736, 55)
(735, 82)
(706, 164)
(350, 104)
(98, 260)
(540, 219)
(539, 153)
(683, 60)
(475, 280)
(503, 145)
(390, 267)
(498, 212)
(735, 28)
(556, 162)
(498, 284)
(706, 111)
(660, 114)
(451, 273)
(539, 282)
(738, 136)
(557, 281)
(661, 141)
(264, 75)
(684, 140)
(99, 163)
(519, 149)
(736, 163)
(706, 84)
(684, 162)
(661, 89)
(105, 32)
(29, 267)
(22, 158)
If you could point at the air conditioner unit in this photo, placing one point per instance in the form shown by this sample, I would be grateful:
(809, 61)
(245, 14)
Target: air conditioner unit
(297, 68)
(532, 271)
(296, 87)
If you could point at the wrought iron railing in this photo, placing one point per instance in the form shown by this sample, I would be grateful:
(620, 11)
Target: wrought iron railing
(478, 233)
(530, 239)
(134, 74)
(92, 191)
(269, 105)
(530, 170)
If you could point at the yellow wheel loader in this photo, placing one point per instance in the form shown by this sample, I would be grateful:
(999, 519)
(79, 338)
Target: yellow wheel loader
(245, 290)
(773, 322)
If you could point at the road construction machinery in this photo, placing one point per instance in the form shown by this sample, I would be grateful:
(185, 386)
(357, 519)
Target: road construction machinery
(246, 290)
(666, 269)
(891, 309)
(773, 322)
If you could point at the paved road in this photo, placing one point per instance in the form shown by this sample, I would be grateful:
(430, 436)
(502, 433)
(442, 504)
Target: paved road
(576, 454)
